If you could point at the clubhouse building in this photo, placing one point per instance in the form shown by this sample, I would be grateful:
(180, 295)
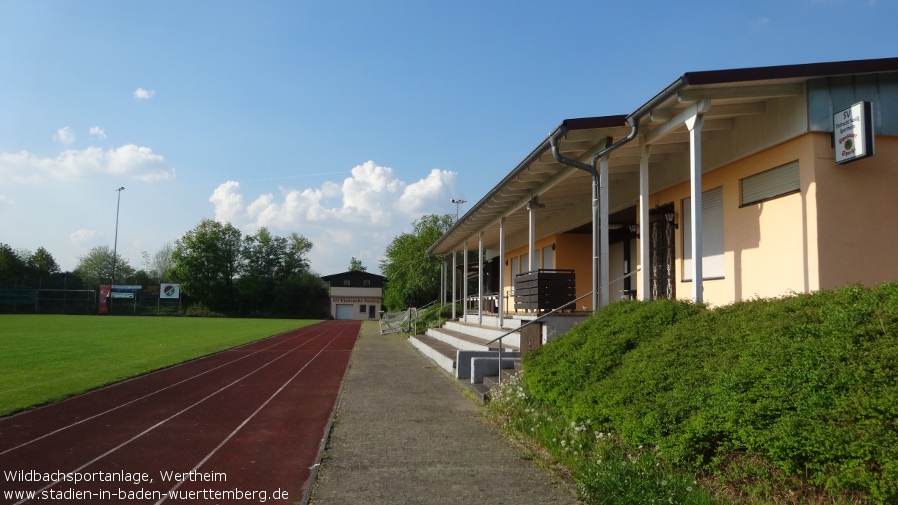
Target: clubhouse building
(724, 186)
(356, 295)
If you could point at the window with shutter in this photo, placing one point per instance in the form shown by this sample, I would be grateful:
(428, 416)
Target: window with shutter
(713, 266)
(770, 184)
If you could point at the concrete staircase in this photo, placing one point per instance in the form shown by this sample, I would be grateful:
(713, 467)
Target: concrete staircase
(460, 348)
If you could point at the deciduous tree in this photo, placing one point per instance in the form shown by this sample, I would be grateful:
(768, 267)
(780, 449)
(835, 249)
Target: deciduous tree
(42, 263)
(413, 276)
(207, 260)
(12, 266)
(355, 265)
(96, 267)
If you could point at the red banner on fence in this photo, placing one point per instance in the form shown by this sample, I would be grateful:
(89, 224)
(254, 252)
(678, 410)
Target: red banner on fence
(105, 292)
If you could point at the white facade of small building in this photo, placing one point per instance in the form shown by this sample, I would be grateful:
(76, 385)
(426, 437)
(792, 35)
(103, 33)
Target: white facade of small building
(355, 295)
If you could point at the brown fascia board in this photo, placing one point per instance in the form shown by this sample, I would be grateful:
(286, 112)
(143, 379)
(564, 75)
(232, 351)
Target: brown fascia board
(806, 70)
(589, 123)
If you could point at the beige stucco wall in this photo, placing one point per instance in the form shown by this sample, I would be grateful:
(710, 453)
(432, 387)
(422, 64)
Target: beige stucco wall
(837, 230)
(857, 208)
(770, 247)
(833, 232)
(574, 252)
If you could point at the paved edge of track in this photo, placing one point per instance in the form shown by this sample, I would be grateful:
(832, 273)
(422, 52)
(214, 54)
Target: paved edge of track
(313, 476)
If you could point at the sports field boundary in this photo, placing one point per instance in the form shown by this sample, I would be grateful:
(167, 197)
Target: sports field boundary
(367, 330)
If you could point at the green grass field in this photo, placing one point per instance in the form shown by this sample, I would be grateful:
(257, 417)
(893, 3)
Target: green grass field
(45, 358)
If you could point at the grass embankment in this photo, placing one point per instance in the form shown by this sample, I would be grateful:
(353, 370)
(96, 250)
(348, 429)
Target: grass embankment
(790, 400)
(45, 358)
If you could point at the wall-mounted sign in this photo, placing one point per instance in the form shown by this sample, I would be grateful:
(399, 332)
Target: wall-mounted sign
(170, 291)
(853, 132)
(356, 300)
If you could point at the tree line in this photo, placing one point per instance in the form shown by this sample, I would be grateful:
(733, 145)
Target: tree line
(221, 270)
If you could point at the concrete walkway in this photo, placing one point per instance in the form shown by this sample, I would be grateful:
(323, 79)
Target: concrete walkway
(404, 433)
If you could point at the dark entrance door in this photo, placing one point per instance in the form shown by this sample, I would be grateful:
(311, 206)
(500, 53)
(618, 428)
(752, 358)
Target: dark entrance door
(662, 275)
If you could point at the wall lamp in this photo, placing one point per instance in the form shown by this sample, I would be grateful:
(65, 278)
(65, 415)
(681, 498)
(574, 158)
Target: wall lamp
(671, 218)
(634, 229)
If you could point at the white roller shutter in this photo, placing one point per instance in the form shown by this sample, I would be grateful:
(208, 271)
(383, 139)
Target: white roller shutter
(770, 184)
(713, 266)
(345, 311)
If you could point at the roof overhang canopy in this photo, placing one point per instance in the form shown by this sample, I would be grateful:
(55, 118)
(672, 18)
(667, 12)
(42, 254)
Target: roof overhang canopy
(726, 96)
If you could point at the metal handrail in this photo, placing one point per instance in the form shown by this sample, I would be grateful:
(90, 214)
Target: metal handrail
(413, 319)
(528, 323)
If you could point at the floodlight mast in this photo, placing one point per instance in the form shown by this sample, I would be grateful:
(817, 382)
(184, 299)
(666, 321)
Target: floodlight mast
(115, 244)
(457, 202)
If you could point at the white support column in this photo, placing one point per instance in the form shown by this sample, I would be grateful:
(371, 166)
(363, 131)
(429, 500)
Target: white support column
(501, 271)
(694, 124)
(596, 268)
(464, 282)
(531, 242)
(603, 233)
(644, 227)
(480, 277)
(454, 282)
(442, 281)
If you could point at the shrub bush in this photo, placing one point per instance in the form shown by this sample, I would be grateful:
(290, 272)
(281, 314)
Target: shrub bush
(200, 310)
(808, 383)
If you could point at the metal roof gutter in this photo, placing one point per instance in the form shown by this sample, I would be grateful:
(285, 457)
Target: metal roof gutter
(566, 125)
(591, 169)
(658, 99)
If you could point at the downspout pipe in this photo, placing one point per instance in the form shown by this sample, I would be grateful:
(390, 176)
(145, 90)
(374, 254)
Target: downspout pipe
(591, 169)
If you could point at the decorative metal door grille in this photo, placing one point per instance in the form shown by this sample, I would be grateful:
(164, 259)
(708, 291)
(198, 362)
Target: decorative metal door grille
(661, 248)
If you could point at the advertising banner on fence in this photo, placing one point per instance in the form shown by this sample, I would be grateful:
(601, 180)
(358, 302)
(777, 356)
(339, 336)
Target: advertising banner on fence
(170, 291)
(105, 289)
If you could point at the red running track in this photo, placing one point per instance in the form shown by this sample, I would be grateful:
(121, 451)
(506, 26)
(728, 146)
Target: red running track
(241, 426)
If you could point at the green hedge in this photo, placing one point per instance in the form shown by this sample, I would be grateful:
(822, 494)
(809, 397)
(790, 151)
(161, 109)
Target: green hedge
(807, 383)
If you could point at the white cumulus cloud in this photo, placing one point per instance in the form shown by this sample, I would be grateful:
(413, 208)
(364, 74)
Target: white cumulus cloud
(97, 132)
(138, 162)
(83, 236)
(143, 94)
(418, 196)
(356, 217)
(132, 161)
(228, 202)
(369, 195)
(65, 135)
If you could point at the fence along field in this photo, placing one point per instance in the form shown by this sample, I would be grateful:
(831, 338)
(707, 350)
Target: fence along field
(48, 301)
(122, 300)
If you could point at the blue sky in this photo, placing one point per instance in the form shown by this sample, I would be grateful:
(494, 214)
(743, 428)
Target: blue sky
(343, 121)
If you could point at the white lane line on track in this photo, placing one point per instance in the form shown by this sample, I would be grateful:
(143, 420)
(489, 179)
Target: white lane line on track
(160, 423)
(238, 428)
(153, 393)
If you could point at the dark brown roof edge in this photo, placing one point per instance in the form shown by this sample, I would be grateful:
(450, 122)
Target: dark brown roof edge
(588, 123)
(792, 71)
